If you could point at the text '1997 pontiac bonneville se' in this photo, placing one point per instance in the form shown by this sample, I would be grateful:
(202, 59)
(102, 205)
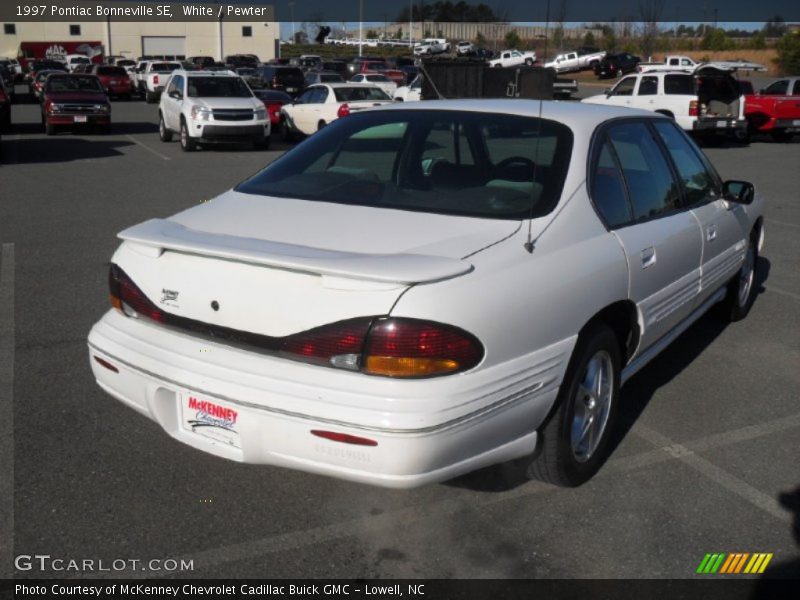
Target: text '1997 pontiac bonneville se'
(422, 290)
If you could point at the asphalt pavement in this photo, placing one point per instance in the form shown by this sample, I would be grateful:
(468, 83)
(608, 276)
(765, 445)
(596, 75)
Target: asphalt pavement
(707, 444)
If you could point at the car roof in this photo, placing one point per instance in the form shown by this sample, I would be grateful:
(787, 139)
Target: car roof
(227, 73)
(346, 84)
(575, 115)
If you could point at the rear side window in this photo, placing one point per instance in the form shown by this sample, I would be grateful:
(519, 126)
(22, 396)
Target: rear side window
(648, 86)
(796, 91)
(652, 189)
(608, 189)
(778, 88)
(699, 184)
(679, 85)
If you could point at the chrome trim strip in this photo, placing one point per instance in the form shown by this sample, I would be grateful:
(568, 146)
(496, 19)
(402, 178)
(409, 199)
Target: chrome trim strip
(514, 398)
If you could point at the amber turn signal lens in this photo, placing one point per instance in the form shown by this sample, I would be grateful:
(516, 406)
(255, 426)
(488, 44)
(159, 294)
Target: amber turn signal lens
(392, 366)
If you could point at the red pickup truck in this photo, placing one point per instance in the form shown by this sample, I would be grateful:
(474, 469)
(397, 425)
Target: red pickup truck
(774, 110)
(74, 99)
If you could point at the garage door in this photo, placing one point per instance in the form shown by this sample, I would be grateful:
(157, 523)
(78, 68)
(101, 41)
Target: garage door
(168, 46)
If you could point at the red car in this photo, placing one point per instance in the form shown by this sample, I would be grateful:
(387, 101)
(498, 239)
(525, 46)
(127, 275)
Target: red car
(773, 110)
(115, 80)
(273, 100)
(74, 99)
(380, 67)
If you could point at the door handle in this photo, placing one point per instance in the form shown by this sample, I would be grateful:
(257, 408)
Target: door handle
(648, 257)
(711, 233)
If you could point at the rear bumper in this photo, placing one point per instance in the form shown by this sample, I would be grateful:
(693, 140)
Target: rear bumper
(721, 125)
(786, 124)
(278, 403)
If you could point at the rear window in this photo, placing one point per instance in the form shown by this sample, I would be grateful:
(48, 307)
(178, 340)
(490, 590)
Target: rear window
(165, 67)
(116, 71)
(330, 78)
(359, 94)
(680, 85)
(486, 165)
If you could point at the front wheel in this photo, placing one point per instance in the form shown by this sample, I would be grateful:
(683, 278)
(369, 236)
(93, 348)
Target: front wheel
(188, 144)
(575, 440)
(741, 289)
(163, 133)
(262, 143)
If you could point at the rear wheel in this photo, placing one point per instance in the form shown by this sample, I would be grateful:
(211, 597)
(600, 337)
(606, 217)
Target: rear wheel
(149, 97)
(575, 440)
(188, 144)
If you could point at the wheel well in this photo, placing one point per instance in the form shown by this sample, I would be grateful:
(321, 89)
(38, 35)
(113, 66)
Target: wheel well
(621, 318)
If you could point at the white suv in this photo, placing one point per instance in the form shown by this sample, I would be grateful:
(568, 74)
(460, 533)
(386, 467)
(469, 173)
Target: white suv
(208, 107)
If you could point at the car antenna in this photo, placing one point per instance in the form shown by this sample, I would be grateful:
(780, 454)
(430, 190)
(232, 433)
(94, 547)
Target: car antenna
(530, 243)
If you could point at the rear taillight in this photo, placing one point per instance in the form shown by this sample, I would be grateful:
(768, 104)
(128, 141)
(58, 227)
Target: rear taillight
(693, 108)
(399, 347)
(155, 79)
(128, 298)
(343, 111)
(387, 346)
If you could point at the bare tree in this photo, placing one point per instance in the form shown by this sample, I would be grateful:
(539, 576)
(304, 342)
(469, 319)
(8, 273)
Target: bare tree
(650, 13)
(559, 18)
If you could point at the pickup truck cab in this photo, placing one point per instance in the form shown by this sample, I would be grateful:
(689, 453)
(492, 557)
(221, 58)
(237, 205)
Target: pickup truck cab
(707, 102)
(689, 65)
(513, 58)
(74, 99)
(211, 106)
(574, 61)
(775, 109)
(154, 77)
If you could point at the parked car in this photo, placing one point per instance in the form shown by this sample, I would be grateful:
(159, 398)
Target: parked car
(115, 80)
(201, 62)
(322, 104)
(71, 61)
(234, 61)
(43, 65)
(689, 65)
(286, 79)
(337, 66)
(381, 68)
(314, 317)
(5, 107)
(206, 107)
(273, 100)
(154, 77)
(513, 58)
(74, 100)
(314, 77)
(575, 61)
(354, 66)
(707, 103)
(411, 92)
(464, 48)
(250, 76)
(431, 46)
(613, 65)
(37, 83)
(387, 85)
(771, 113)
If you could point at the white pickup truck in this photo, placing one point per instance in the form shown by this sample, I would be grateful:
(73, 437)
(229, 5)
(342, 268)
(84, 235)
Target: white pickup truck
(153, 77)
(574, 61)
(513, 58)
(687, 64)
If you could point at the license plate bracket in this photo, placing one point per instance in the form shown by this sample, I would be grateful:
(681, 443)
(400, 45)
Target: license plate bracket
(210, 418)
(80, 119)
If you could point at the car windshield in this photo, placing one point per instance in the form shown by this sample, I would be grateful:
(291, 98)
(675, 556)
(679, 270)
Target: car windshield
(57, 83)
(488, 165)
(218, 87)
(165, 67)
(359, 94)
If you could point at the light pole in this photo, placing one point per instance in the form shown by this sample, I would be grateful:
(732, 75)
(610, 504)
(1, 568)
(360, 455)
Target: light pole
(291, 8)
(410, 24)
(360, 25)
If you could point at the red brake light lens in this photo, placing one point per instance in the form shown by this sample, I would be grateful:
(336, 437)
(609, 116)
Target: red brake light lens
(128, 298)
(155, 79)
(338, 345)
(343, 111)
(693, 108)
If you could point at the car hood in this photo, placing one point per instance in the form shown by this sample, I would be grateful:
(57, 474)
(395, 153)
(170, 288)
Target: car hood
(234, 103)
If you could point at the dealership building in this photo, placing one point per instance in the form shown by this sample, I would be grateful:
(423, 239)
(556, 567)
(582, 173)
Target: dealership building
(133, 39)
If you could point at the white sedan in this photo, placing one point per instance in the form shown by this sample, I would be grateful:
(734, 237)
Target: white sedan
(322, 104)
(411, 92)
(376, 79)
(419, 291)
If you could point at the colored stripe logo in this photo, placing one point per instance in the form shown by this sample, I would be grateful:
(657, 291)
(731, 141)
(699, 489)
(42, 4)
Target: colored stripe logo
(734, 563)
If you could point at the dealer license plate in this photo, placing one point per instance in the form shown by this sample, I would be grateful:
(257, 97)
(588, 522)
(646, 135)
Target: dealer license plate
(79, 119)
(210, 418)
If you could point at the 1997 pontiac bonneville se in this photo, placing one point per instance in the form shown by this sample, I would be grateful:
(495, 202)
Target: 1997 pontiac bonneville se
(416, 292)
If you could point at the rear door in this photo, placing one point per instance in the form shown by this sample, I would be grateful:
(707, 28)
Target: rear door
(634, 190)
(724, 225)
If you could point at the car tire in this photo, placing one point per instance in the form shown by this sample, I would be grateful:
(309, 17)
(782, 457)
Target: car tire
(188, 144)
(163, 133)
(321, 125)
(49, 128)
(742, 136)
(287, 135)
(528, 62)
(263, 143)
(149, 97)
(574, 442)
(780, 135)
(741, 289)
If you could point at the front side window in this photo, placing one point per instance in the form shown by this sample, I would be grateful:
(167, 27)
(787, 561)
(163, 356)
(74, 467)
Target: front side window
(360, 94)
(651, 187)
(699, 184)
(624, 87)
(445, 162)
(608, 188)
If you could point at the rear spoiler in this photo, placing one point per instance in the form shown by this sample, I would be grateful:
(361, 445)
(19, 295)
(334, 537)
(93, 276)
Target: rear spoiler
(162, 234)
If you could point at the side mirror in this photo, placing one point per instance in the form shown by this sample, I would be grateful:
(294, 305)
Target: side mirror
(740, 192)
(607, 92)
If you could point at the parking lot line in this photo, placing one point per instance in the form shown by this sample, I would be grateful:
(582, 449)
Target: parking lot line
(6, 410)
(784, 223)
(713, 472)
(148, 148)
(783, 292)
(665, 451)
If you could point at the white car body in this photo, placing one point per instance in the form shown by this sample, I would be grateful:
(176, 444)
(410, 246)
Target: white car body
(73, 61)
(378, 80)
(689, 65)
(410, 93)
(210, 119)
(311, 111)
(513, 58)
(648, 91)
(275, 266)
(464, 47)
(572, 61)
(154, 78)
(431, 46)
